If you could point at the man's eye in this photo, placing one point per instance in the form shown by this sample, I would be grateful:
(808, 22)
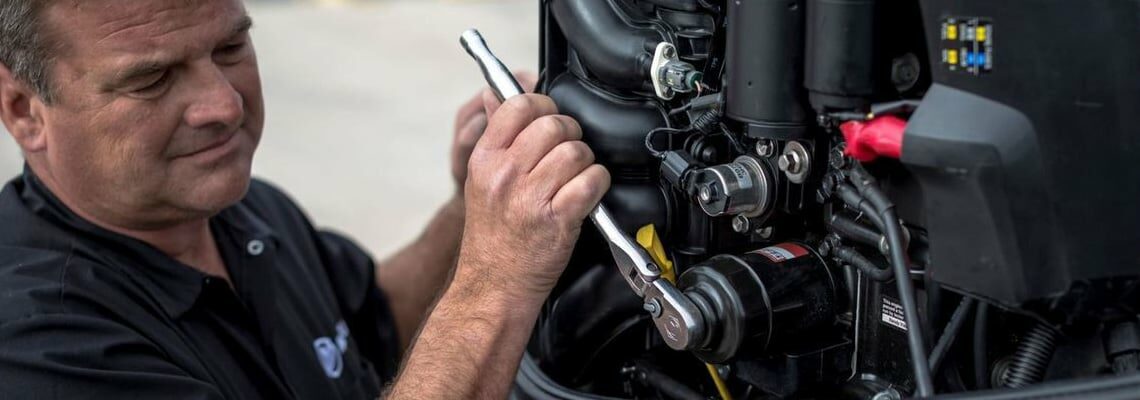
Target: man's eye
(154, 87)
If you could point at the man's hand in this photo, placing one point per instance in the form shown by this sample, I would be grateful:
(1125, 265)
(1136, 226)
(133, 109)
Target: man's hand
(471, 121)
(532, 183)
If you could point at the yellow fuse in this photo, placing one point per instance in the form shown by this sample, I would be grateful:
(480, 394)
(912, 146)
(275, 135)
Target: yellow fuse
(952, 57)
(980, 34)
(952, 31)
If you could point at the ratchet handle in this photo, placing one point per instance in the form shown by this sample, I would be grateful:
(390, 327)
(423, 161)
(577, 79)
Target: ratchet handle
(502, 82)
(676, 317)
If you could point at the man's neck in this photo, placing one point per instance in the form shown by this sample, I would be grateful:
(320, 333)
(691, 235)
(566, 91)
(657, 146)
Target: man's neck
(189, 242)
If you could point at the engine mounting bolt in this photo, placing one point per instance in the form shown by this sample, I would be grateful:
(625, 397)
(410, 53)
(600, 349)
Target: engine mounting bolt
(740, 224)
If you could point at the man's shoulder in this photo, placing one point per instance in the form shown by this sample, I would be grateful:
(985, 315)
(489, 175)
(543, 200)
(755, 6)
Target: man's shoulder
(38, 281)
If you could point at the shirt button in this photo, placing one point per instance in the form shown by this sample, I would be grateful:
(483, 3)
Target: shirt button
(255, 247)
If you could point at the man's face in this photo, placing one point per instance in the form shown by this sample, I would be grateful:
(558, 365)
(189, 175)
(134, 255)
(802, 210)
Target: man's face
(158, 110)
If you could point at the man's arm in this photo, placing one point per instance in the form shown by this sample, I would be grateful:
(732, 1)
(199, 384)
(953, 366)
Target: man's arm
(532, 183)
(414, 276)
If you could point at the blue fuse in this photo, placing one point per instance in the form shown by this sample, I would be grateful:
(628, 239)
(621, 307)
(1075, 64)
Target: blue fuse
(980, 59)
(970, 58)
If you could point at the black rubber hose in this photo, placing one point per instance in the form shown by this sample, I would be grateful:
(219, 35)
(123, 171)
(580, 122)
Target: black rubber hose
(847, 228)
(950, 334)
(1032, 357)
(916, 343)
(981, 352)
(857, 260)
(853, 199)
(915, 340)
(616, 52)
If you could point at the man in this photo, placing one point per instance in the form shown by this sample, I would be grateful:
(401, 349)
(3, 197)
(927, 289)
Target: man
(137, 259)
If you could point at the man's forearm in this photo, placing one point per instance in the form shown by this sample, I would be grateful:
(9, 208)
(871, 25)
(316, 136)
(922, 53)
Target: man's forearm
(470, 346)
(414, 276)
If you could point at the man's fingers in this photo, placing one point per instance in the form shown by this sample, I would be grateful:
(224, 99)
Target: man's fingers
(559, 166)
(469, 133)
(527, 79)
(512, 117)
(578, 197)
(540, 137)
(468, 110)
(490, 102)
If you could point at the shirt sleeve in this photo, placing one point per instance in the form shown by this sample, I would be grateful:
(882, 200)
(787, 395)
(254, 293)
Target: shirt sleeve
(365, 307)
(66, 356)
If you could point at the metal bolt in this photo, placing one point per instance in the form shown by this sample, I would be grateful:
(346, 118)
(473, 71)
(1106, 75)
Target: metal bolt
(889, 394)
(723, 370)
(653, 307)
(706, 194)
(653, 268)
(787, 162)
(669, 52)
(740, 224)
(765, 148)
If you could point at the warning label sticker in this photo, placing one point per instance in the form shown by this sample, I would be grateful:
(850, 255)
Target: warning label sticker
(893, 313)
(782, 252)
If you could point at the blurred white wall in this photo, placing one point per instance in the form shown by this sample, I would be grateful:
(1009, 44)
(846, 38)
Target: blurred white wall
(360, 101)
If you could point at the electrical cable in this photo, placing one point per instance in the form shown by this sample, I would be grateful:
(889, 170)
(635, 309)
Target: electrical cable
(865, 186)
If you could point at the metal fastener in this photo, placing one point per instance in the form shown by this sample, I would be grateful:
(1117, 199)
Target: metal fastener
(740, 224)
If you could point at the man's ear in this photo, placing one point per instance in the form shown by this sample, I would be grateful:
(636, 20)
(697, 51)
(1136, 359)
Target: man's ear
(21, 110)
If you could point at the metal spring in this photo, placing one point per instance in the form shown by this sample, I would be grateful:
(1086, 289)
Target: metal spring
(1032, 357)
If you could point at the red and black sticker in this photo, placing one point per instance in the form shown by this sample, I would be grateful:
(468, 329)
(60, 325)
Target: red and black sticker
(782, 252)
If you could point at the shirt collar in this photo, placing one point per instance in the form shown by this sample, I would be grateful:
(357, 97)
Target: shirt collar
(173, 284)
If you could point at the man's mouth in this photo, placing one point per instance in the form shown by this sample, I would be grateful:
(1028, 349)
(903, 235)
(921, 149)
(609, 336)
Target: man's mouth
(221, 145)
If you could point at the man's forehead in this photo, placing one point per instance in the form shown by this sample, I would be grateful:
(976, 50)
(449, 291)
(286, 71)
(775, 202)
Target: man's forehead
(139, 24)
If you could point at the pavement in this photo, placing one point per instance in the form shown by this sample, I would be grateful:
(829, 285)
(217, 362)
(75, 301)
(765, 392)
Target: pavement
(361, 96)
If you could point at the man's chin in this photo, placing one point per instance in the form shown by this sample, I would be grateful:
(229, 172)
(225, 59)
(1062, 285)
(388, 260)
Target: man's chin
(217, 191)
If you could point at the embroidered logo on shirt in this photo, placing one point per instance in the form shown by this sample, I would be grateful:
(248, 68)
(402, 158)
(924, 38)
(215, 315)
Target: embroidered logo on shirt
(330, 352)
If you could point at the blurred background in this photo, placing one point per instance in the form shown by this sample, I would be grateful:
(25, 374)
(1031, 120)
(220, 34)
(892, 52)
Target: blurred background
(360, 99)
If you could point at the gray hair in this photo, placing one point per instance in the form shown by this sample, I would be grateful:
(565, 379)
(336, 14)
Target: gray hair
(24, 47)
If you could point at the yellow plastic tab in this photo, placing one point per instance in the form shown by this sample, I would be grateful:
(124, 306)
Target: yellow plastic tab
(952, 56)
(647, 238)
(980, 34)
(951, 31)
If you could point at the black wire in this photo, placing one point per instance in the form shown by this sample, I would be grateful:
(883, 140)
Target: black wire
(865, 185)
(957, 320)
(910, 310)
(653, 133)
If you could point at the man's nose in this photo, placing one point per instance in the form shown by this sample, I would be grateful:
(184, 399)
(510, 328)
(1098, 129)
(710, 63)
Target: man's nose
(215, 103)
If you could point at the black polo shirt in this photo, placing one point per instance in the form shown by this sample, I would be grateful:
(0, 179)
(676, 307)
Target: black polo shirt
(88, 313)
